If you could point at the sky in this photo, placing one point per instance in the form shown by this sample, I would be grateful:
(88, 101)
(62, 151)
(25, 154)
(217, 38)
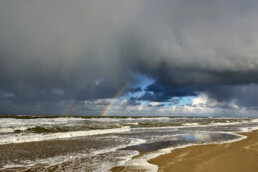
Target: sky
(129, 57)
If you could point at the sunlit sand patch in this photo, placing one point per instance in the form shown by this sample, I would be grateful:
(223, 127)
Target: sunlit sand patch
(235, 156)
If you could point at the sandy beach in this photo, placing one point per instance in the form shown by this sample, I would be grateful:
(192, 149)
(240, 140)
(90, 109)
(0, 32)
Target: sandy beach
(235, 156)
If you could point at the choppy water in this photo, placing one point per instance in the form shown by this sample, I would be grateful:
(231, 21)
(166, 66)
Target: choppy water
(98, 144)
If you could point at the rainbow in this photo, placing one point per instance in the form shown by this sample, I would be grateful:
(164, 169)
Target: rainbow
(113, 99)
(70, 108)
(68, 111)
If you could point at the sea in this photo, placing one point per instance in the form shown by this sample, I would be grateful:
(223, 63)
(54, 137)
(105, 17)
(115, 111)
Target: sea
(54, 143)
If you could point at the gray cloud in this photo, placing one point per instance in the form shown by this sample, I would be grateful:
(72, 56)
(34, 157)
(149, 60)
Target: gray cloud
(53, 51)
(242, 95)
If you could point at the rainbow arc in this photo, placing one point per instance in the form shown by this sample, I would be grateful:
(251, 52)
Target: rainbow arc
(113, 100)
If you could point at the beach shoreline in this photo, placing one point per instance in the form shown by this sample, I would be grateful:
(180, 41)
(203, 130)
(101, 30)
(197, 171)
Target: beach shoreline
(200, 157)
(28, 144)
(235, 156)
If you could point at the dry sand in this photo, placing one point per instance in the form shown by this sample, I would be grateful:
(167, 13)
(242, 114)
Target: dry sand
(240, 156)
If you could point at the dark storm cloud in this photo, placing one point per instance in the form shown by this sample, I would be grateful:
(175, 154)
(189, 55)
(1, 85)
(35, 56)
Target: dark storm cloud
(243, 95)
(161, 93)
(53, 51)
(134, 90)
(158, 87)
(59, 45)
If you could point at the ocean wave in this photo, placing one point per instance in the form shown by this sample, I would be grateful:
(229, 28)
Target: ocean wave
(15, 129)
(31, 137)
(255, 120)
(191, 124)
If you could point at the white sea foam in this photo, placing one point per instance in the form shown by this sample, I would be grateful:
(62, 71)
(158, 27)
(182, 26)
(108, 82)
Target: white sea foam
(131, 119)
(132, 143)
(30, 137)
(255, 120)
(6, 130)
(248, 129)
(191, 124)
(10, 130)
(18, 123)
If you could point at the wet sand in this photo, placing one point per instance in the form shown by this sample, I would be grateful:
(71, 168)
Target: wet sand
(235, 156)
